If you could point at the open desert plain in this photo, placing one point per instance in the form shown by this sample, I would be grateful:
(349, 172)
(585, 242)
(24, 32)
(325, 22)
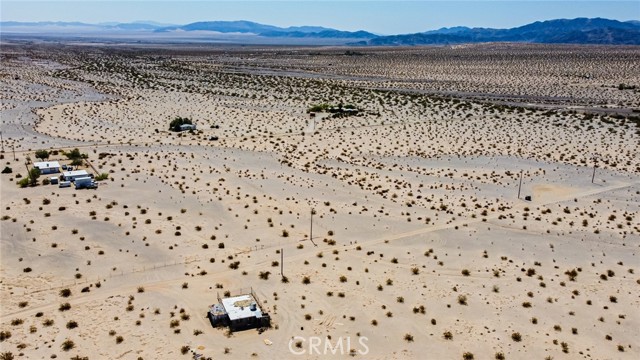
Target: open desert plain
(459, 202)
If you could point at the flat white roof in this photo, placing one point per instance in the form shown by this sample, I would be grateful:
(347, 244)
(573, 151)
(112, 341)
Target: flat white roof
(75, 173)
(238, 307)
(46, 164)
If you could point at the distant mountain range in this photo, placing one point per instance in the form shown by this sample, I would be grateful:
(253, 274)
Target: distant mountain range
(574, 31)
(563, 31)
(247, 28)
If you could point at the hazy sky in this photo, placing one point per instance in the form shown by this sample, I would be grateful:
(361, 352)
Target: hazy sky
(384, 17)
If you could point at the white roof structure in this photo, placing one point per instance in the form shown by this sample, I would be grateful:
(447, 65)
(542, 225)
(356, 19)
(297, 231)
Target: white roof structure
(239, 307)
(75, 173)
(46, 164)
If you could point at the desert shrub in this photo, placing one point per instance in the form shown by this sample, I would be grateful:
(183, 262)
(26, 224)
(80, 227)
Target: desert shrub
(23, 183)
(4, 335)
(572, 274)
(516, 337)
(68, 344)
(462, 299)
(7, 355)
(531, 272)
(72, 324)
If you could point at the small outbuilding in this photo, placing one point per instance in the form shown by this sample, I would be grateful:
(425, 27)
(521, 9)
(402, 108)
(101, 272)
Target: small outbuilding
(186, 127)
(239, 313)
(47, 167)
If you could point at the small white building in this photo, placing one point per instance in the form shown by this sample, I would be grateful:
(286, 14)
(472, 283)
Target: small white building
(241, 307)
(239, 313)
(185, 127)
(47, 167)
(73, 175)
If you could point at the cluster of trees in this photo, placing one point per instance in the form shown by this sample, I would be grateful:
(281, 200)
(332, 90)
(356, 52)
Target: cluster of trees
(624, 86)
(334, 109)
(174, 125)
(319, 108)
(31, 180)
(42, 154)
(76, 156)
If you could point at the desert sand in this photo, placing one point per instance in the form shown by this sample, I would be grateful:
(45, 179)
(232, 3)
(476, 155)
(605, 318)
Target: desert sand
(421, 247)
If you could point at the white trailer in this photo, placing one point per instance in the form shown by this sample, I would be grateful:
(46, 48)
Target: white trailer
(73, 175)
(85, 183)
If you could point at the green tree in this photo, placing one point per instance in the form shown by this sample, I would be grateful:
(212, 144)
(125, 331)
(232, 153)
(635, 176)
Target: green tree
(42, 154)
(76, 156)
(34, 174)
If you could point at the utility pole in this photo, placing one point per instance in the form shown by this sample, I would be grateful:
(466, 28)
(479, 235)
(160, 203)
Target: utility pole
(520, 186)
(2, 141)
(282, 262)
(14, 151)
(593, 176)
(311, 230)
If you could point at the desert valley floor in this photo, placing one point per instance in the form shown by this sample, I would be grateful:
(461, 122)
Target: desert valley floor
(415, 164)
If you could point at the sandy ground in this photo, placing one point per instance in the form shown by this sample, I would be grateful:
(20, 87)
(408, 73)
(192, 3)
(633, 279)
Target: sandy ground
(421, 247)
